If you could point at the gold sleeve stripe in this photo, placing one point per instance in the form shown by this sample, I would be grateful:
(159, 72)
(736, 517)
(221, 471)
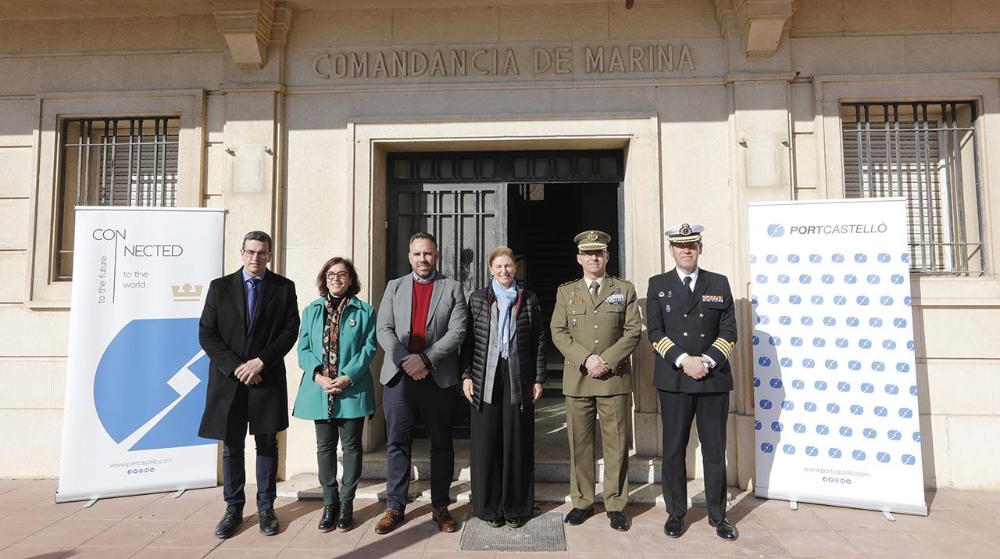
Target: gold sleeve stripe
(725, 347)
(663, 346)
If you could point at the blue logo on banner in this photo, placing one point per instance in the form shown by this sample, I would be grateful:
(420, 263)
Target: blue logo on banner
(817, 299)
(793, 258)
(875, 322)
(844, 386)
(822, 429)
(820, 385)
(762, 278)
(894, 435)
(881, 411)
(834, 453)
(888, 344)
(808, 363)
(867, 387)
(812, 451)
(807, 321)
(776, 426)
(763, 319)
(805, 278)
(819, 342)
(909, 345)
(853, 364)
(774, 341)
(753, 300)
(833, 408)
(908, 459)
(765, 404)
(842, 343)
(783, 278)
(906, 300)
(891, 389)
(857, 409)
(753, 258)
(756, 382)
(865, 343)
(784, 320)
(913, 390)
(773, 299)
(786, 362)
(852, 321)
(831, 364)
(775, 382)
(902, 367)
(839, 300)
(757, 425)
(755, 340)
(896, 279)
(916, 436)
(860, 258)
(862, 300)
(850, 279)
(899, 322)
(884, 257)
(126, 401)
(873, 279)
(883, 457)
(815, 258)
(885, 301)
(771, 258)
(764, 361)
(788, 449)
(796, 341)
(775, 230)
(799, 427)
(798, 384)
(837, 258)
(767, 447)
(809, 406)
(858, 455)
(905, 413)
(878, 366)
(794, 299)
(846, 431)
(787, 405)
(827, 279)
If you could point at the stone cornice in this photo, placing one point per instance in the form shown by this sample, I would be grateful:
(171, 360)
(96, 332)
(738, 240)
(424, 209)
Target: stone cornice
(250, 26)
(760, 22)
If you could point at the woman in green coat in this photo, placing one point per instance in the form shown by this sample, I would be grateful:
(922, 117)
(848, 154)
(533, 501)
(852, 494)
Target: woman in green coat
(336, 348)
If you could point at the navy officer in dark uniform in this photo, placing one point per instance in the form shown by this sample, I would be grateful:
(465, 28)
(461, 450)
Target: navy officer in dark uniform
(692, 326)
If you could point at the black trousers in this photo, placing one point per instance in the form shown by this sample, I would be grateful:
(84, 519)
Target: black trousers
(503, 454)
(402, 399)
(348, 432)
(234, 475)
(677, 411)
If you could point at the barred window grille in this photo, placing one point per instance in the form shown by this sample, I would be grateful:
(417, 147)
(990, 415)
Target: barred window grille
(928, 153)
(129, 161)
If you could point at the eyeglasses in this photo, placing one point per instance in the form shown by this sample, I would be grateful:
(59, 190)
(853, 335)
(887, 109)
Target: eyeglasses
(260, 255)
(337, 275)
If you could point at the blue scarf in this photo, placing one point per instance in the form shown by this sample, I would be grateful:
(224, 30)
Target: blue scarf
(505, 298)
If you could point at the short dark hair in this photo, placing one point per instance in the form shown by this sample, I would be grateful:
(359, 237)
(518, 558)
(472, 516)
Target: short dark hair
(423, 235)
(258, 236)
(352, 289)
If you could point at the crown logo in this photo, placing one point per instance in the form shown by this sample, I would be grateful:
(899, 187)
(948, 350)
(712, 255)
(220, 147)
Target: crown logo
(685, 229)
(186, 292)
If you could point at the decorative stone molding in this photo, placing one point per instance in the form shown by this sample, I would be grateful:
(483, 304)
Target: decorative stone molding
(250, 26)
(761, 22)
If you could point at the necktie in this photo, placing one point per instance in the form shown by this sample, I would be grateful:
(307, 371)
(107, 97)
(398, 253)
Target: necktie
(687, 283)
(594, 288)
(252, 293)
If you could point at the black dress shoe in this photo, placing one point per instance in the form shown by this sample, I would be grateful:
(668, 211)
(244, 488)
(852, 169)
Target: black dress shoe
(514, 522)
(619, 520)
(674, 526)
(229, 523)
(268, 522)
(345, 519)
(329, 519)
(495, 522)
(577, 516)
(724, 529)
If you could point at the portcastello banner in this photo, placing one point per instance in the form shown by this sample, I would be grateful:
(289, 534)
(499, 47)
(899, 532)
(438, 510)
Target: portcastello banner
(507, 62)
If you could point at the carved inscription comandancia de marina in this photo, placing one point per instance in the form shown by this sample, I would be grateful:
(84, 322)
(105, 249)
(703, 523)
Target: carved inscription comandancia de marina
(634, 60)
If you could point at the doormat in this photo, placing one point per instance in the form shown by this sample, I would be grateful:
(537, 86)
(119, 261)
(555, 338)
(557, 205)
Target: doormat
(542, 533)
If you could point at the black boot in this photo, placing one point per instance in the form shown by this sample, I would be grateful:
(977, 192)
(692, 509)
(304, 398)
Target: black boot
(346, 517)
(329, 519)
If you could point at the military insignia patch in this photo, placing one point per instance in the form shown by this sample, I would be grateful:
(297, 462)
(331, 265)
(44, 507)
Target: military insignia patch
(711, 298)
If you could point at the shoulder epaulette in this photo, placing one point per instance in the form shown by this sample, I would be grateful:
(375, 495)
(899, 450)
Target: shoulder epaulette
(568, 283)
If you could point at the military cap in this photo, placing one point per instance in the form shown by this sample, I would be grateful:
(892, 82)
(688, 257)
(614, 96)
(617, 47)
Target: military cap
(592, 240)
(684, 233)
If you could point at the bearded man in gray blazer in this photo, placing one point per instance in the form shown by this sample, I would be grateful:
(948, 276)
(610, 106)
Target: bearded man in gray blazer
(421, 325)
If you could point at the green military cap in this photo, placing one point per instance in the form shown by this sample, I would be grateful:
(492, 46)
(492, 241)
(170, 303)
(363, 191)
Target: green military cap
(684, 233)
(592, 240)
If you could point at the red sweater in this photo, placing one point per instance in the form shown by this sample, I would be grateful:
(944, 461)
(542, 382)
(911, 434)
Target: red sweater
(418, 316)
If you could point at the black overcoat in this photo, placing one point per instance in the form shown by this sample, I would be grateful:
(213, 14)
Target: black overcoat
(223, 335)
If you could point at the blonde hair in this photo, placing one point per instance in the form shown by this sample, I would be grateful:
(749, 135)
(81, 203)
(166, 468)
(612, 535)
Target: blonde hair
(501, 251)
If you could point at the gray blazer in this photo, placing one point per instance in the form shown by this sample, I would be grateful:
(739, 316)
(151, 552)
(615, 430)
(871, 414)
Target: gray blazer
(446, 323)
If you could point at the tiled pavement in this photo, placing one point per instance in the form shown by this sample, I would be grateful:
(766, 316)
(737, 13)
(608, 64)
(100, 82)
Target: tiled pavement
(960, 524)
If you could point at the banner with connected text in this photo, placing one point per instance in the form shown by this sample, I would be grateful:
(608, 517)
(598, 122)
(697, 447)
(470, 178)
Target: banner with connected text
(136, 374)
(835, 383)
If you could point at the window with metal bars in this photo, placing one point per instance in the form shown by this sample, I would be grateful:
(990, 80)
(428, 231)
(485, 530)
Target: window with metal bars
(928, 153)
(126, 161)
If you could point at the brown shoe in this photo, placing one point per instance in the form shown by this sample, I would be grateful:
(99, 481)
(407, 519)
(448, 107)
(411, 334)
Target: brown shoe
(389, 521)
(444, 520)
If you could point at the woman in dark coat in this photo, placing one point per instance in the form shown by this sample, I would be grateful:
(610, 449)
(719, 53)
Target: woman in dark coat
(504, 369)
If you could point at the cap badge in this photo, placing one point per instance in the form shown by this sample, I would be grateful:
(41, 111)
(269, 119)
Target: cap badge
(685, 229)
(591, 237)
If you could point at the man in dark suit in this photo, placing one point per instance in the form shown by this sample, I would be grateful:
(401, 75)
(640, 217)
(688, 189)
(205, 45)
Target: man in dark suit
(596, 325)
(692, 326)
(250, 321)
(421, 325)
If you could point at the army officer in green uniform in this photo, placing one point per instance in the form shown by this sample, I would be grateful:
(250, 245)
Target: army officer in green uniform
(596, 325)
